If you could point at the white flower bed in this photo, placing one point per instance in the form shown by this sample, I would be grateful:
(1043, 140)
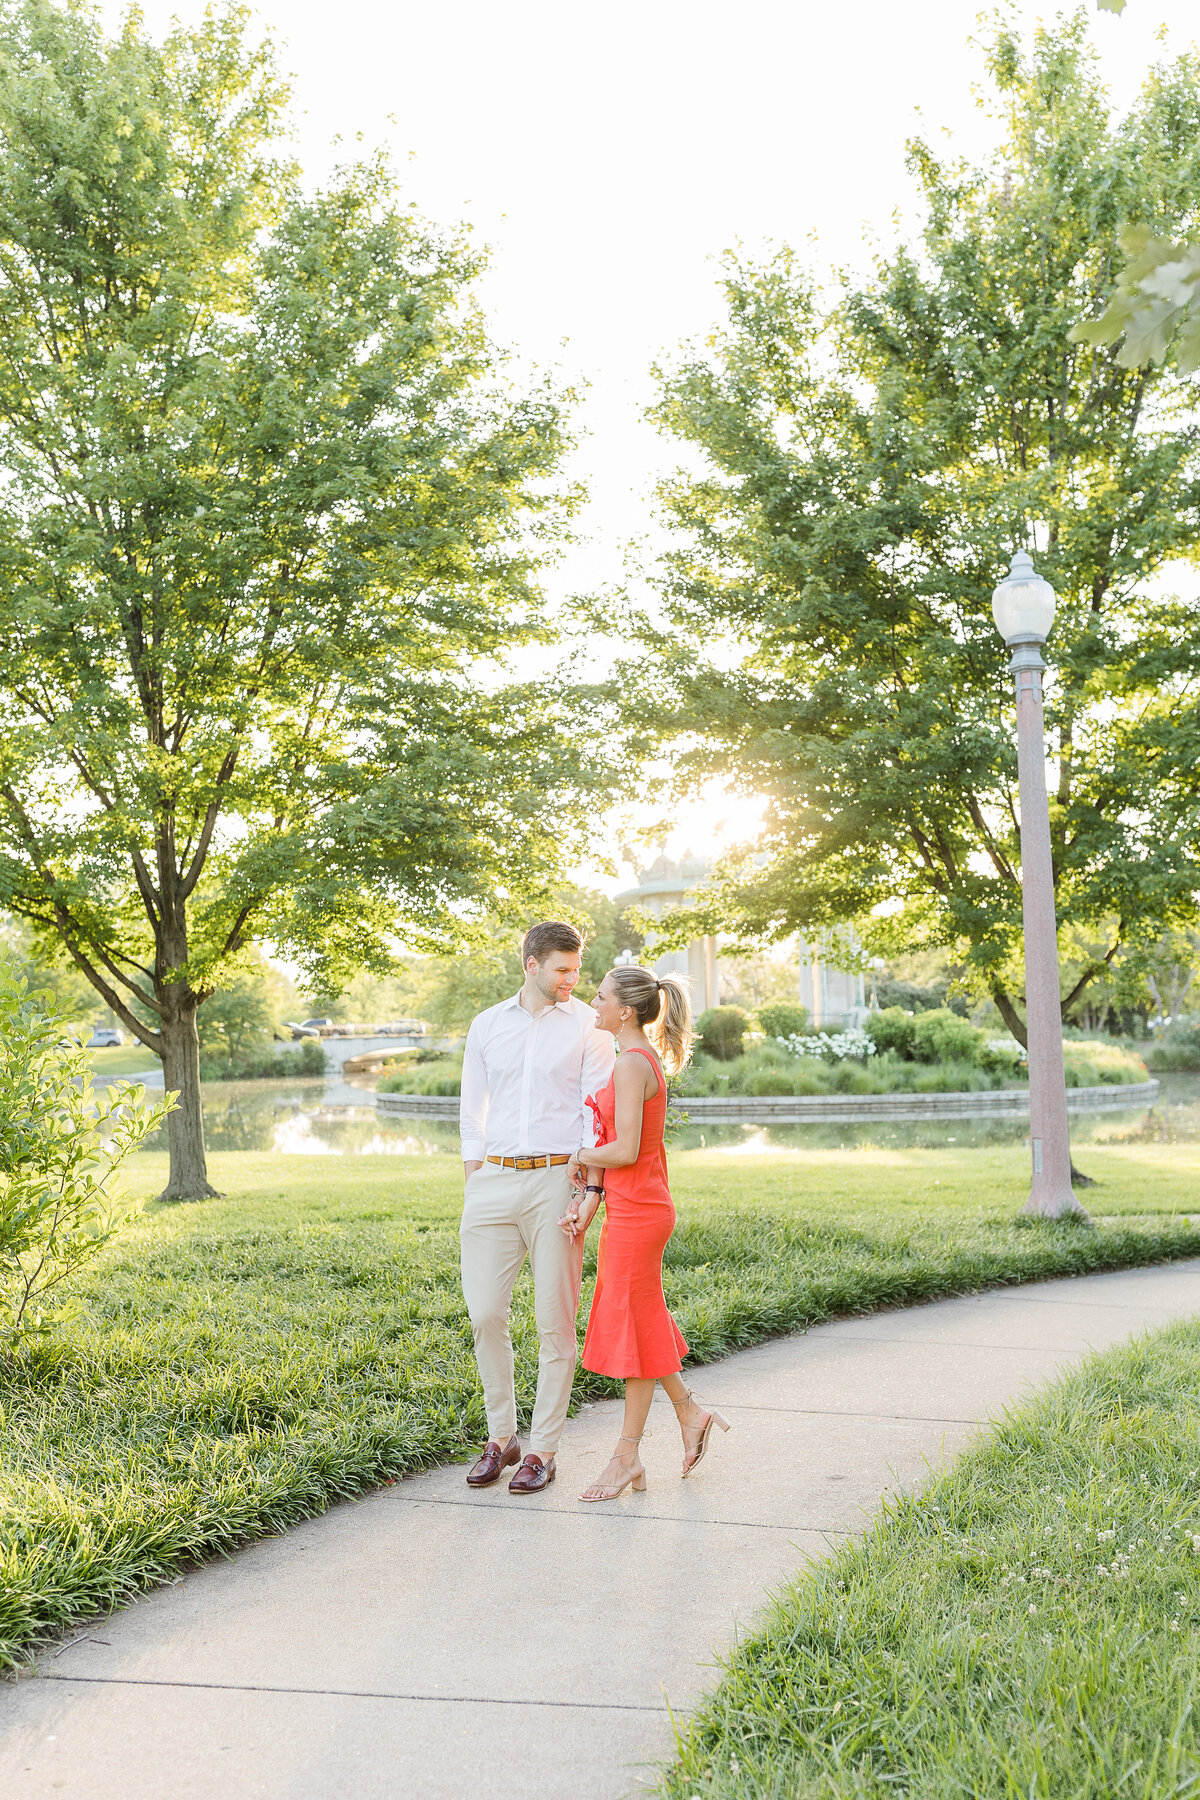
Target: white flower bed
(832, 1048)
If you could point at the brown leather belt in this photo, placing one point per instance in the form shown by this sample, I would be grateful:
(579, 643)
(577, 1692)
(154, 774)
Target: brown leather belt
(528, 1162)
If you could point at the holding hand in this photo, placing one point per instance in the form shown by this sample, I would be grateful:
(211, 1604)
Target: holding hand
(580, 1213)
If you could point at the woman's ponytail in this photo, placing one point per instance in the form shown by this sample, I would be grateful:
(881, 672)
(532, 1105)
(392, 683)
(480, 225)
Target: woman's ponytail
(671, 1033)
(664, 1010)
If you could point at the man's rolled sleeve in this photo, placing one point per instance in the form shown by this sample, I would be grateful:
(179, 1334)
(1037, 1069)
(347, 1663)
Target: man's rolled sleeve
(473, 1099)
(599, 1056)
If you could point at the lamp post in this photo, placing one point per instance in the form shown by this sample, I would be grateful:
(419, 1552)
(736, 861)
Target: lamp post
(1023, 608)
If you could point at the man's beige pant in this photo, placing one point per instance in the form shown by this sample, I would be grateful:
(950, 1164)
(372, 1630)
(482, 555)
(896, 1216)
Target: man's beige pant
(509, 1214)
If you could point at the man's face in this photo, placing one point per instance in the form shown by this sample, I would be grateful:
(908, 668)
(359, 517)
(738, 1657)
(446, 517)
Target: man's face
(556, 976)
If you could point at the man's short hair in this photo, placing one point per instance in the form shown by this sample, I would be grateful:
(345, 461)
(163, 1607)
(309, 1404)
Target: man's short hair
(552, 934)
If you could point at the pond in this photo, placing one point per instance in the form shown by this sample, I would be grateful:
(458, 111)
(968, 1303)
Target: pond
(332, 1117)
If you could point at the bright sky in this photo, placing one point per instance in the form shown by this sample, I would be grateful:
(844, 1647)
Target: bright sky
(607, 153)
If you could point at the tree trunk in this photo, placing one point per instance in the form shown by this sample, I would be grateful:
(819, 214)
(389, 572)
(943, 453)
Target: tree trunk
(185, 1126)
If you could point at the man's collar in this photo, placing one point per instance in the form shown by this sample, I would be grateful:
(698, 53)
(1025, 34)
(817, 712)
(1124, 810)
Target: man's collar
(554, 1006)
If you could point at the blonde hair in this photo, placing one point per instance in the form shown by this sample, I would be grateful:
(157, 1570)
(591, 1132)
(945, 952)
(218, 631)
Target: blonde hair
(663, 1007)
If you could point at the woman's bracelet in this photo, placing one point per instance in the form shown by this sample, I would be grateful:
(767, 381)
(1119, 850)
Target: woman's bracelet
(593, 1189)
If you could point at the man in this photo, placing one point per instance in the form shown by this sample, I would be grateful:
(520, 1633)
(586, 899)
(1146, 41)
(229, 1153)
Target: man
(529, 1066)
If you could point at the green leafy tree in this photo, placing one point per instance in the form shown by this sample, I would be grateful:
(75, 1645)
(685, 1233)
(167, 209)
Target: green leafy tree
(246, 1012)
(267, 502)
(61, 1145)
(870, 464)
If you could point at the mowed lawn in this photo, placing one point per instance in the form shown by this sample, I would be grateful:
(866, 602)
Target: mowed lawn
(241, 1362)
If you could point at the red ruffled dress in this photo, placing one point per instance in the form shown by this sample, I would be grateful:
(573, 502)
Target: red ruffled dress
(630, 1332)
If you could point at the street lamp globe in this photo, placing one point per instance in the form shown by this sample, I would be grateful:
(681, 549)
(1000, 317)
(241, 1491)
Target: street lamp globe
(1023, 604)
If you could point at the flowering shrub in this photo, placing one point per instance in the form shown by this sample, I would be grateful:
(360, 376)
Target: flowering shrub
(831, 1048)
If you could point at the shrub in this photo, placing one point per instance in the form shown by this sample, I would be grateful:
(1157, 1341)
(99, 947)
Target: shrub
(722, 1030)
(1003, 1056)
(893, 1029)
(1095, 1063)
(440, 1074)
(308, 1058)
(782, 1020)
(835, 1047)
(1178, 1050)
(60, 1145)
(941, 1036)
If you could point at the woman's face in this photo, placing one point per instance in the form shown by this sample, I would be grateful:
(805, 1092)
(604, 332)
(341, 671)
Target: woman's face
(608, 1008)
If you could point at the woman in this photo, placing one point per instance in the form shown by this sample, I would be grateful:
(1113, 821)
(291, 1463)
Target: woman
(630, 1333)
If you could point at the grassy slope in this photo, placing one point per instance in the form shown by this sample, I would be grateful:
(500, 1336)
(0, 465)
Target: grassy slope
(240, 1363)
(1028, 1628)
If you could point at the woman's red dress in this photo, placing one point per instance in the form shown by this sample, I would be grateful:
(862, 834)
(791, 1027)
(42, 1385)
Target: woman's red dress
(629, 1331)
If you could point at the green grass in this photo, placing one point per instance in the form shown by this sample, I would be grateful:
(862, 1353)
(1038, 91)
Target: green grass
(120, 1060)
(1027, 1629)
(240, 1363)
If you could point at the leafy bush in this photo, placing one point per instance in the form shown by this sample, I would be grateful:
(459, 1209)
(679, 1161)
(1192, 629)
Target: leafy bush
(1003, 1056)
(721, 1031)
(782, 1020)
(941, 1036)
(60, 1145)
(438, 1073)
(835, 1047)
(894, 1029)
(1179, 1050)
(1093, 1062)
(308, 1058)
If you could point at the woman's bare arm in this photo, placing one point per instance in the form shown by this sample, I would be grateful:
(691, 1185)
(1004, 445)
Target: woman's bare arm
(631, 1079)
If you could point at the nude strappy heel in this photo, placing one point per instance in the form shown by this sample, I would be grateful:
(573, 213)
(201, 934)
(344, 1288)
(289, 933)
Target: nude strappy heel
(636, 1478)
(714, 1418)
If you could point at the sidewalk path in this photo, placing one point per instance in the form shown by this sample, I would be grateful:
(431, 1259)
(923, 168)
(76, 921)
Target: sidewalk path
(431, 1642)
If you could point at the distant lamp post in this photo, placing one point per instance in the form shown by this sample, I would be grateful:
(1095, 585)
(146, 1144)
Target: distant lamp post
(1023, 608)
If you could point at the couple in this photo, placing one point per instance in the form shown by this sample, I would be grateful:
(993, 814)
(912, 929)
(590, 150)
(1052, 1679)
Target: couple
(549, 1129)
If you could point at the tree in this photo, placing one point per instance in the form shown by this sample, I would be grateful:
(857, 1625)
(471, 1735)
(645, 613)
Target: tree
(870, 465)
(247, 1010)
(267, 504)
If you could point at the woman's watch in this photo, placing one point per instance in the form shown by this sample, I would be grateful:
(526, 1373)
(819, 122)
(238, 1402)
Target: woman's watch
(593, 1188)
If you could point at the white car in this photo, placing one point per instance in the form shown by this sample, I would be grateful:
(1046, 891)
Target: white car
(105, 1039)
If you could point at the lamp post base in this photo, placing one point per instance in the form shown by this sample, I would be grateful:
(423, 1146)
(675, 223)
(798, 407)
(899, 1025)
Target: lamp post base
(1054, 1203)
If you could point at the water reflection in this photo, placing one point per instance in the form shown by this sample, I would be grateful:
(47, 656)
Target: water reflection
(332, 1117)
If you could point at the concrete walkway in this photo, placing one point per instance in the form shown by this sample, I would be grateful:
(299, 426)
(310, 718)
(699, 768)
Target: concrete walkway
(431, 1642)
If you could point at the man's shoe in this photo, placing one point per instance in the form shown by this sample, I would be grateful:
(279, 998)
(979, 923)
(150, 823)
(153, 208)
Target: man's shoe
(495, 1458)
(532, 1476)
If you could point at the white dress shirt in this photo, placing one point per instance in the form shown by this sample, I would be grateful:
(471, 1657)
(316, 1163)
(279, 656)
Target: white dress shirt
(525, 1080)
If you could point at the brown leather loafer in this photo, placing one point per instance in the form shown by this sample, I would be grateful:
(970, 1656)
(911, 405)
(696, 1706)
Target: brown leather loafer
(532, 1476)
(495, 1458)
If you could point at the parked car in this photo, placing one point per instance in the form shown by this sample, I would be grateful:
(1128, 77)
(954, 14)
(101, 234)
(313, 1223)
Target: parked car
(106, 1039)
(301, 1031)
(399, 1028)
(319, 1028)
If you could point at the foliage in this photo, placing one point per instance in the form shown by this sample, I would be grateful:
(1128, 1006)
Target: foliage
(721, 1031)
(835, 1047)
(243, 1363)
(782, 1019)
(868, 467)
(437, 1075)
(1028, 1625)
(1156, 306)
(775, 1068)
(61, 1145)
(268, 1062)
(1178, 1051)
(246, 1014)
(267, 503)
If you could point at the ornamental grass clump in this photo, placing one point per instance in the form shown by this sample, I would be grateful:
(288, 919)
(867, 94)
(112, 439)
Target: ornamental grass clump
(61, 1144)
